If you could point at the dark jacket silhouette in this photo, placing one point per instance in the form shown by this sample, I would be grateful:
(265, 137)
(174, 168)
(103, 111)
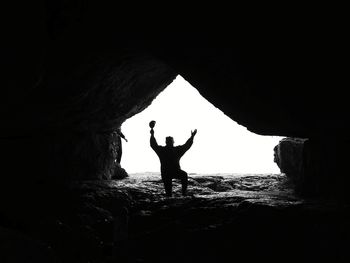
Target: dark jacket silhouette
(169, 157)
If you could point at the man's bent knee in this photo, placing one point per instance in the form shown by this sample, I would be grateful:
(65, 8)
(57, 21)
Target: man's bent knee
(182, 175)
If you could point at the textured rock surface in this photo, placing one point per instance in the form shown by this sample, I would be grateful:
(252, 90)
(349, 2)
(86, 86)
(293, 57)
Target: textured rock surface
(289, 157)
(315, 167)
(16, 247)
(224, 218)
(74, 137)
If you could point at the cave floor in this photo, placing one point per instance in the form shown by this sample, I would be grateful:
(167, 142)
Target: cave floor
(224, 218)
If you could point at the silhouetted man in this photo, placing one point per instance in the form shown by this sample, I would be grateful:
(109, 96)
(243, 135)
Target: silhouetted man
(169, 157)
(120, 151)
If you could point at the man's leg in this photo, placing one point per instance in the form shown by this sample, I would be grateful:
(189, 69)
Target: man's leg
(168, 185)
(184, 181)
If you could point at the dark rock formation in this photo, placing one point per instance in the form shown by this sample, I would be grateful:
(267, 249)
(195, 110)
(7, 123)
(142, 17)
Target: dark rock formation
(289, 158)
(131, 220)
(16, 247)
(315, 167)
(325, 168)
(74, 71)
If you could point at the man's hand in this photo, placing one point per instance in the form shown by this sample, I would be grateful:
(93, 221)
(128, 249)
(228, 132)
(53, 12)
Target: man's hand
(151, 124)
(193, 133)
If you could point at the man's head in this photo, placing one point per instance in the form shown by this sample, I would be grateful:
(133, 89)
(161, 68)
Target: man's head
(169, 141)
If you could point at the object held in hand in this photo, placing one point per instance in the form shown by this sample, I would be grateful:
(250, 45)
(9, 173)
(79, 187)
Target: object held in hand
(151, 124)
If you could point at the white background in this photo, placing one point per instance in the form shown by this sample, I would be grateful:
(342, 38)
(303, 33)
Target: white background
(220, 146)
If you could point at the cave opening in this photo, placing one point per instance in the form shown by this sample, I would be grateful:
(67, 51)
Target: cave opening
(221, 145)
(75, 71)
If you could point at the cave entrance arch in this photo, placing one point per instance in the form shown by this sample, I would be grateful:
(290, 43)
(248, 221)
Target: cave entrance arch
(221, 145)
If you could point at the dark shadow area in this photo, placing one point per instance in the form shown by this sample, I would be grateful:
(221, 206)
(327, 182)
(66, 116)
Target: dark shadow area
(223, 218)
(74, 71)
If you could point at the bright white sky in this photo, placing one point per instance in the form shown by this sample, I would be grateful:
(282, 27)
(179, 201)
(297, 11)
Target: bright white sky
(220, 146)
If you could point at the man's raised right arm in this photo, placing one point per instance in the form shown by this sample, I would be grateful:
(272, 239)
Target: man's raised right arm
(153, 141)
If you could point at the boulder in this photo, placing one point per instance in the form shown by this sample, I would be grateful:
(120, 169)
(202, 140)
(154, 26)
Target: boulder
(288, 155)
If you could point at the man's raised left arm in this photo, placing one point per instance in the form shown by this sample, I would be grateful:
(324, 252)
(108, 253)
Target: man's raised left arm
(189, 142)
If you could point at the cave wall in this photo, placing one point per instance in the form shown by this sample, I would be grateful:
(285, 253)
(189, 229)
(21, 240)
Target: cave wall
(75, 70)
(315, 167)
(325, 168)
(63, 138)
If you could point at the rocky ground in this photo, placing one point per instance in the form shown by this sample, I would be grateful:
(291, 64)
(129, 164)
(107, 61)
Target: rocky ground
(224, 218)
